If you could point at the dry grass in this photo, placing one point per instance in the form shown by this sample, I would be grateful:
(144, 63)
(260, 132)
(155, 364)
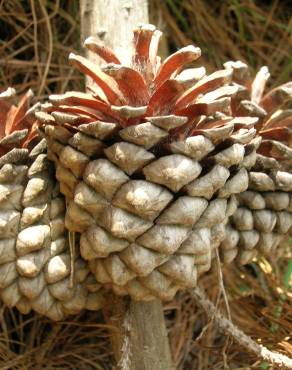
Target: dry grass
(32, 343)
(35, 40)
(37, 36)
(256, 32)
(261, 305)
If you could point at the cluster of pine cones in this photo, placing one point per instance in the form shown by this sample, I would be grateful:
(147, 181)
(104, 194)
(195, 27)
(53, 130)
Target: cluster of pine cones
(136, 185)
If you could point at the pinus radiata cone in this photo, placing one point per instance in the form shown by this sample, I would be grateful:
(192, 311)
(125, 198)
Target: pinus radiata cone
(264, 216)
(35, 262)
(150, 161)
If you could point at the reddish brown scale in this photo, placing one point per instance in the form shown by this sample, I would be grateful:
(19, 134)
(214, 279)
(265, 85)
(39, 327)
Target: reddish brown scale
(282, 134)
(142, 42)
(104, 52)
(106, 83)
(84, 113)
(276, 97)
(15, 120)
(208, 83)
(184, 131)
(131, 83)
(88, 105)
(175, 62)
(5, 104)
(198, 109)
(164, 98)
(211, 124)
(284, 122)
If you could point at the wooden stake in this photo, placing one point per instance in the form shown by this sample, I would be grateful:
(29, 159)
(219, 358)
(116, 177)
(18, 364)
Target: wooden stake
(112, 22)
(140, 341)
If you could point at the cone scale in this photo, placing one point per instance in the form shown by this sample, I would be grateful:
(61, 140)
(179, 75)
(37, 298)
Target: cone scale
(264, 215)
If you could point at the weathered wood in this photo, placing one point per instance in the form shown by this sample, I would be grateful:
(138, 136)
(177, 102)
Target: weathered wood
(148, 336)
(140, 339)
(112, 22)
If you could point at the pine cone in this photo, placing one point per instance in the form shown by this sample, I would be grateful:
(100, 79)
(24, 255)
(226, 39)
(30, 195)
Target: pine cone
(35, 262)
(265, 213)
(149, 162)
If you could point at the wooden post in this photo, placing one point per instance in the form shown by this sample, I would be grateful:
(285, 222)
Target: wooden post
(140, 341)
(112, 22)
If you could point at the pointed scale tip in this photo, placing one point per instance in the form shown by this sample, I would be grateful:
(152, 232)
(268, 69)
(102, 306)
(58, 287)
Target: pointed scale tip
(55, 97)
(148, 27)
(59, 99)
(259, 84)
(35, 108)
(30, 94)
(111, 68)
(8, 93)
(264, 70)
(90, 40)
(44, 117)
(46, 107)
(72, 56)
(192, 49)
(238, 64)
(191, 75)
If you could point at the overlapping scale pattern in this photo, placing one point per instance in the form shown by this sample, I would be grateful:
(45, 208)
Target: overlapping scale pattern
(149, 162)
(264, 216)
(132, 220)
(36, 269)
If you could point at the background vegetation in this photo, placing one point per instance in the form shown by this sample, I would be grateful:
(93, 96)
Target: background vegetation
(35, 39)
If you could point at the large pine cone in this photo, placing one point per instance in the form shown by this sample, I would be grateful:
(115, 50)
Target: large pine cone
(149, 164)
(35, 262)
(264, 217)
